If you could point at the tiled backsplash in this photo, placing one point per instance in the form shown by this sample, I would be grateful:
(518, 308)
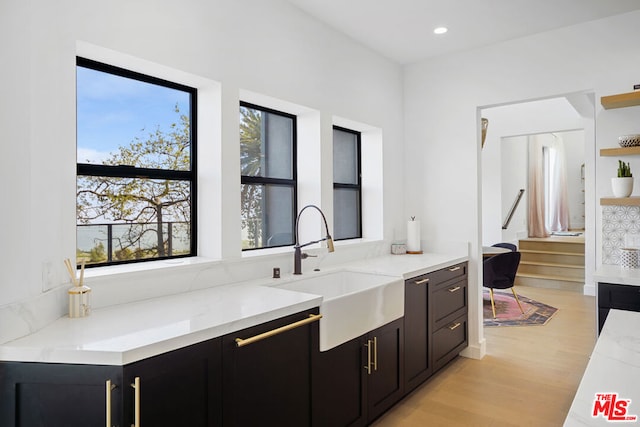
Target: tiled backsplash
(620, 228)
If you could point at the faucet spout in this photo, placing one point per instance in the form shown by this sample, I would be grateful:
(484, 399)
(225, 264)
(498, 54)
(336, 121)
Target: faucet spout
(297, 254)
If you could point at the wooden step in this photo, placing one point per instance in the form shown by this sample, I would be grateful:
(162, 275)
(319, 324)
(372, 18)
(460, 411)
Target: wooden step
(569, 258)
(555, 262)
(567, 271)
(552, 245)
(540, 281)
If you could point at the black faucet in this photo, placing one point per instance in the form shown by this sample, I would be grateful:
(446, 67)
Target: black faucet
(297, 254)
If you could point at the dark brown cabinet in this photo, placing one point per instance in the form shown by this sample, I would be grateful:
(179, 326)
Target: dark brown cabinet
(622, 297)
(58, 395)
(181, 387)
(448, 314)
(435, 320)
(355, 382)
(267, 373)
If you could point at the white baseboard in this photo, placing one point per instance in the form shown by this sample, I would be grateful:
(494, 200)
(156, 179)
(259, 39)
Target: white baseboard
(475, 351)
(589, 290)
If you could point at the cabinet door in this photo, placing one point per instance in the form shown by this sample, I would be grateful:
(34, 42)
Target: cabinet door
(621, 297)
(417, 348)
(268, 382)
(385, 383)
(179, 388)
(58, 395)
(338, 385)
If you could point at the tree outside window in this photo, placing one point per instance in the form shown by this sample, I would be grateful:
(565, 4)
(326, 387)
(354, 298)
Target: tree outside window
(136, 166)
(268, 177)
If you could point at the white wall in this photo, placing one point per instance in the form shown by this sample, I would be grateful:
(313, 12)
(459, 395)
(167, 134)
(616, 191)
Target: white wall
(514, 174)
(574, 154)
(263, 47)
(442, 98)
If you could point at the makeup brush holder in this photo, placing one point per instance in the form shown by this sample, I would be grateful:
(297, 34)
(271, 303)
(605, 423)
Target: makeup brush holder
(79, 301)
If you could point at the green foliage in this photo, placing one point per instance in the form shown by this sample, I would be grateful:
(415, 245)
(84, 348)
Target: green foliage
(624, 170)
(251, 158)
(123, 254)
(97, 253)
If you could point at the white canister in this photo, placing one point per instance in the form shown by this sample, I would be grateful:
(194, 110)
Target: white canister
(629, 257)
(79, 301)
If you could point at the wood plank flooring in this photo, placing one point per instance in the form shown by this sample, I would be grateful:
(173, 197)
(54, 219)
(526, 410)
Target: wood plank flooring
(528, 377)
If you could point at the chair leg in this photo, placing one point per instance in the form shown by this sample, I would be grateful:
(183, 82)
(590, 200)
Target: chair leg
(517, 300)
(493, 304)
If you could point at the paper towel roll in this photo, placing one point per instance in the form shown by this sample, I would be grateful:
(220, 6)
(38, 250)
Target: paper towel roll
(413, 236)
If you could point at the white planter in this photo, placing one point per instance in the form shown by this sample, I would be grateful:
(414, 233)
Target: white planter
(622, 187)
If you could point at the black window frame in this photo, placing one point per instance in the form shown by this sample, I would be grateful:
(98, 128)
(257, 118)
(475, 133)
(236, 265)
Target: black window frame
(357, 186)
(283, 182)
(126, 171)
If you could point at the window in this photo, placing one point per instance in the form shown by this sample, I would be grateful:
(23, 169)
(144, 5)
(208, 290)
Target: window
(136, 166)
(268, 177)
(347, 186)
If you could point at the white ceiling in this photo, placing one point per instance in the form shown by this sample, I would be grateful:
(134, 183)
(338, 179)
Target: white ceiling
(402, 30)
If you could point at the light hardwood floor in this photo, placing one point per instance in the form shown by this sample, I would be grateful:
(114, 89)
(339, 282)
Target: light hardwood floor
(528, 377)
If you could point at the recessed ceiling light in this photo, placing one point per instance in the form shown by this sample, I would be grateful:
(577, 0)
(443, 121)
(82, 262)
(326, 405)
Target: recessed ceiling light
(440, 30)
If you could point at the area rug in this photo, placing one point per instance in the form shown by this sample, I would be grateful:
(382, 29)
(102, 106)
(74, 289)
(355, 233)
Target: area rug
(508, 313)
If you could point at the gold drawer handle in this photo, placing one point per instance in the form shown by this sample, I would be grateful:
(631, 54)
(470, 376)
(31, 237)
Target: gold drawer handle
(452, 327)
(452, 290)
(420, 282)
(109, 387)
(136, 402)
(368, 367)
(452, 269)
(312, 318)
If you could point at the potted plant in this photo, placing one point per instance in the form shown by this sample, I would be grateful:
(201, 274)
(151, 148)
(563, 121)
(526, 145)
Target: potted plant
(622, 185)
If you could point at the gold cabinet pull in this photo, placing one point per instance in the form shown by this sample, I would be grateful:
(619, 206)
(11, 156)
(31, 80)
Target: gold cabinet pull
(312, 318)
(109, 388)
(136, 402)
(420, 282)
(368, 367)
(452, 290)
(375, 353)
(456, 268)
(454, 326)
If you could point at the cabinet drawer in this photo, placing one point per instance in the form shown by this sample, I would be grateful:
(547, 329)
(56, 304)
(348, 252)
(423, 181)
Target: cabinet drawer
(450, 300)
(438, 277)
(448, 273)
(624, 297)
(448, 341)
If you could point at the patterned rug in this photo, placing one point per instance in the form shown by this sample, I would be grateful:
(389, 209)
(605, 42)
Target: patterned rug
(508, 313)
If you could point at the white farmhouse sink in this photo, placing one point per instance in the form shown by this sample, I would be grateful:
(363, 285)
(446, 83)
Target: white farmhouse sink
(354, 303)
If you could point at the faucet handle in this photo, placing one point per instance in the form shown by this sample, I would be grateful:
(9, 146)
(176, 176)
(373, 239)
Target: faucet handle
(306, 255)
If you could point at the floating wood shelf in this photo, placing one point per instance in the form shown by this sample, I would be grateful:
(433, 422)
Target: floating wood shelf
(619, 151)
(620, 201)
(622, 100)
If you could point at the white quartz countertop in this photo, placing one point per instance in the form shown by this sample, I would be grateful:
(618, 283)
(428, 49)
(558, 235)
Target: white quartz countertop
(126, 333)
(614, 369)
(407, 266)
(616, 274)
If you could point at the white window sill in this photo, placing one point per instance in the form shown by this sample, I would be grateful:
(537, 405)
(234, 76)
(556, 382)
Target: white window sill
(114, 270)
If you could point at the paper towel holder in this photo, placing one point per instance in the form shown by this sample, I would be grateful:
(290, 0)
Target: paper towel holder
(413, 242)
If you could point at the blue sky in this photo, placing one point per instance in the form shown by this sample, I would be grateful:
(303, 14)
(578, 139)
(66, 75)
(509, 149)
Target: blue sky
(113, 110)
